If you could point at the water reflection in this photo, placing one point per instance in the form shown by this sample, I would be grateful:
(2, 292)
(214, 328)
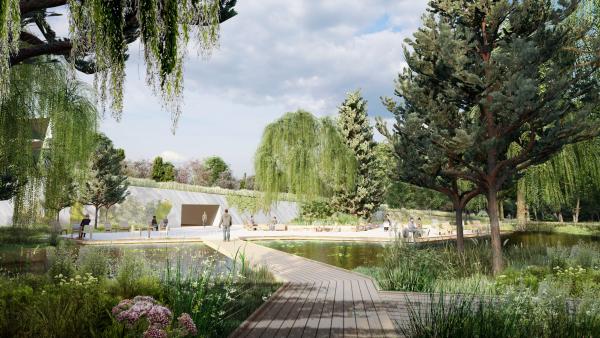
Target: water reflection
(350, 255)
(189, 257)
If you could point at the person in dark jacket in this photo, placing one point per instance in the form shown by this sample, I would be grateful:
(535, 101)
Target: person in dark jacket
(85, 221)
(154, 223)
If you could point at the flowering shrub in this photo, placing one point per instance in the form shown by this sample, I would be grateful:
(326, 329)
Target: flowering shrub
(144, 313)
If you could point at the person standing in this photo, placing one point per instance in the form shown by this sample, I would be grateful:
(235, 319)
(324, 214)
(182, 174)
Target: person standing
(204, 218)
(273, 223)
(226, 222)
(85, 221)
(154, 223)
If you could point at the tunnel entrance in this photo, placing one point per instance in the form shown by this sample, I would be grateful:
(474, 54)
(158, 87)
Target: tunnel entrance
(191, 214)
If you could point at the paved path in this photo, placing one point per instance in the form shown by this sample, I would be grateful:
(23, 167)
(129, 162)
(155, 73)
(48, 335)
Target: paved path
(316, 300)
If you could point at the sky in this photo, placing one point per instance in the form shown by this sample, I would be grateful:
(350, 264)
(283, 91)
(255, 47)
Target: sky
(274, 57)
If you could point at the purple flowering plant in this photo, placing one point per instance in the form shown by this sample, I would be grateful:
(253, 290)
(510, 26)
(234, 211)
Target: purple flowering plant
(156, 321)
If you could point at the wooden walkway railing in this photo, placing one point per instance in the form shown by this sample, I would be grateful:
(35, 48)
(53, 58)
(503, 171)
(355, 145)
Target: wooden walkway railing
(316, 300)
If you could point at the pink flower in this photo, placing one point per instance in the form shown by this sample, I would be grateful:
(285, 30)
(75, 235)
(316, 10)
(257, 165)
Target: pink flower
(148, 299)
(159, 316)
(122, 306)
(155, 332)
(186, 323)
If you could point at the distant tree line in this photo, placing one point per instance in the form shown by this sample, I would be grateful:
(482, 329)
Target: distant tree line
(212, 171)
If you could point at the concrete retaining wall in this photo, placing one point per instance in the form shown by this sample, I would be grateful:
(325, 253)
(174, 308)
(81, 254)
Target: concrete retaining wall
(284, 211)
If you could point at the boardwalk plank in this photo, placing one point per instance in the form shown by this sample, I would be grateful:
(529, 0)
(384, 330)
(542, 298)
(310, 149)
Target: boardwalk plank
(363, 325)
(265, 321)
(294, 312)
(370, 308)
(301, 323)
(350, 329)
(312, 323)
(337, 319)
(320, 300)
(326, 322)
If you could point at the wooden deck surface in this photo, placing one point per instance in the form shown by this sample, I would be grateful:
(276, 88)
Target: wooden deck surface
(316, 300)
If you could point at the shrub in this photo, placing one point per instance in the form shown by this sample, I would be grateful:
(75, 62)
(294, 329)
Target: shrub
(134, 277)
(95, 262)
(62, 263)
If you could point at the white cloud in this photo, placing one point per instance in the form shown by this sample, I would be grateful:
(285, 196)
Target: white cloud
(172, 156)
(274, 57)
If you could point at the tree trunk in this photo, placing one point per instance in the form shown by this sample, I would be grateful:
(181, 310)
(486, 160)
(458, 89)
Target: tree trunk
(521, 209)
(96, 217)
(501, 210)
(576, 212)
(560, 217)
(460, 241)
(492, 202)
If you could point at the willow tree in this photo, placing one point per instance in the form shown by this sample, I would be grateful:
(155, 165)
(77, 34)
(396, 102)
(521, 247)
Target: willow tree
(518, 72)
(100, 31)
(562, 182)
(303, 155)
(44, 101)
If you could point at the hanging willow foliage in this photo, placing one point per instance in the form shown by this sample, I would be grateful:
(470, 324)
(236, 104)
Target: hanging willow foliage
(166, 27)
(567, 176)
(42, 96)
(302, 155)
(10, 29)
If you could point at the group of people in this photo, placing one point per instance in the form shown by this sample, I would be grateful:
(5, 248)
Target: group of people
(414, 228)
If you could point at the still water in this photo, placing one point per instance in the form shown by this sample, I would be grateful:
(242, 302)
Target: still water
(350, 255)
(37, 259)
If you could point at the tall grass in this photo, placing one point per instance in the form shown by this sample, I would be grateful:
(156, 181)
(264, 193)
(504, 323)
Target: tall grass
(518, 314)
(218, 301)
(443, 269)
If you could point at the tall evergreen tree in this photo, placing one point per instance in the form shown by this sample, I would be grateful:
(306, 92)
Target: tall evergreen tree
(162, 171)
(367, 193)
(485, 75)
(107, 184)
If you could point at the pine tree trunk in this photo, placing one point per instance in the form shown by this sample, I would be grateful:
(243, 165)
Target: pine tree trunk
(576, 212)
(492, 202)
(460, 241)
(521, 208)
(96, 217)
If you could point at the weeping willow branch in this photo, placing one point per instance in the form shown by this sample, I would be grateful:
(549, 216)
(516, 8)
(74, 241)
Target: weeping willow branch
(45, 101)
(303, 155)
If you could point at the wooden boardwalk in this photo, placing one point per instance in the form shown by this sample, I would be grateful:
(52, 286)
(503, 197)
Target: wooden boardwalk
(316, 300)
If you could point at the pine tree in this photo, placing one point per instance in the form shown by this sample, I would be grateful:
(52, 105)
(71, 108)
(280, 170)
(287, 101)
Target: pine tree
(484, 76)
(108, 184)
(368, 191)
(162, 171)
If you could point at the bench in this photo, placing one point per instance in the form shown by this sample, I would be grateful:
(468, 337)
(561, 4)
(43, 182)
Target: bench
(76, 229)
(57, 228)
(280, 227)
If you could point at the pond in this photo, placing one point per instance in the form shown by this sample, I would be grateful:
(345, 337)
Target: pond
(350, 255)
(37, 259)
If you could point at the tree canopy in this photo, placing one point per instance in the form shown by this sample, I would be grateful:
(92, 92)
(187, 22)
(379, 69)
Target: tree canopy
(107, 184)
(367, 193)
(483, 76)
(303, 155)
(100, 31)
(49, 116)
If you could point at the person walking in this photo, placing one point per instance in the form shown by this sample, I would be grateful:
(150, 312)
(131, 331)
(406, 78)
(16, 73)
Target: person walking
(226, 222)
(204, 218)
(154, 223)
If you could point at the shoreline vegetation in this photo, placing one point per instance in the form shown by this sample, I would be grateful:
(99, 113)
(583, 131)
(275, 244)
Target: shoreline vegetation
(75, 297)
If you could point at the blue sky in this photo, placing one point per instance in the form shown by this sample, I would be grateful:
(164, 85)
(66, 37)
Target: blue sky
(274, 57)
